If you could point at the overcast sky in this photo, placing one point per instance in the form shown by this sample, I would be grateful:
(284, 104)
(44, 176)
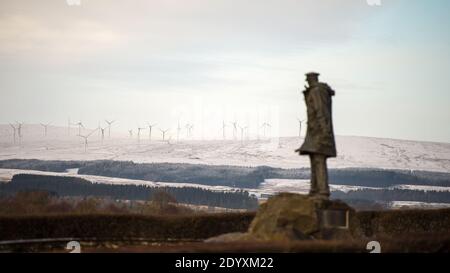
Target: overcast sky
(204, 61)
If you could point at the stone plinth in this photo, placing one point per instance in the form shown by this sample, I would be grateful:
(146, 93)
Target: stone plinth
(289, 216)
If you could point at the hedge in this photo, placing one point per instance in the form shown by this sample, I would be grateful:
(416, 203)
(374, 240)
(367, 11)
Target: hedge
(196, 227)
(123, 226)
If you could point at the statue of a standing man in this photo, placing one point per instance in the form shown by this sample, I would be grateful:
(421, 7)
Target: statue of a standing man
(319, 141)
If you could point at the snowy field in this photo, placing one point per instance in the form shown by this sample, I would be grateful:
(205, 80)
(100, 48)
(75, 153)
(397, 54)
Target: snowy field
(419, 205)
(358, 152)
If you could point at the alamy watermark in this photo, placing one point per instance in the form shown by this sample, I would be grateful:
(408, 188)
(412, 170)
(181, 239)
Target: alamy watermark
(74, 246)
(374, 247)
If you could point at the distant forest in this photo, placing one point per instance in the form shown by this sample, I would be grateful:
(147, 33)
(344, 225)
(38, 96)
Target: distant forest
(74, 186)
(233, 176)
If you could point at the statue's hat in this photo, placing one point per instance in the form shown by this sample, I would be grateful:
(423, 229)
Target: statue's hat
(312, 75)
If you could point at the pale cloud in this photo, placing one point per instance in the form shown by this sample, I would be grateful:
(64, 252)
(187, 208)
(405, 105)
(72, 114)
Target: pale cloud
(26, 37)
(167, 25)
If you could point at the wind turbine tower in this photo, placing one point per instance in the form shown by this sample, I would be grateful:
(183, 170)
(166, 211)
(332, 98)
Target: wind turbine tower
(19, 130)
(178, 131)
(68, 126)
(242, 132)
(150, 127)
(235, 125)
(189, 128)
(224, 127)
(300, 127)
(102, 130)
(14, 129)
(139, 133)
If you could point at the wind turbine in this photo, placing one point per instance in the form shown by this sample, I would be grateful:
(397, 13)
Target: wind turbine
(19, 130)
(150, 126)
(45, 128)
(102, 130)
(164, 133)
(139, 133)
(86, 139)
(14, 129)
(265, 125)
(109, 126)
(224, 126)
(68, 126)
(79, 124)
(178, 131)
(234, 123)
(99, 127)
(189, 128)
(300, 127)
(242, 132)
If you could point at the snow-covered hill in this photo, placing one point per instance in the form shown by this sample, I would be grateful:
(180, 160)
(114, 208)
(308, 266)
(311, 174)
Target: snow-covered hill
(359, 152)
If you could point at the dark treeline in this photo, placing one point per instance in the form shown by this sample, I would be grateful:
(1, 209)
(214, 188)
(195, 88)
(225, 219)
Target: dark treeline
(74, 186)
(41, 165)
(234, 176)
(393, 195)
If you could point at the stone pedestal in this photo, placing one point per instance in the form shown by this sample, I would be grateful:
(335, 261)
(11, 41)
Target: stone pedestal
(289, 216)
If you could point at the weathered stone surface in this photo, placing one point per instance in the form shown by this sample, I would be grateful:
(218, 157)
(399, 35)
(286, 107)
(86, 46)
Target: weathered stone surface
(290, 216)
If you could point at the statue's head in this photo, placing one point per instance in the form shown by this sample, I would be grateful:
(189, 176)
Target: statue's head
(312, 77)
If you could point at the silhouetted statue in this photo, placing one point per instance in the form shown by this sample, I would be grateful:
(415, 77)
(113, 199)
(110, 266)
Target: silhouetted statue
(319, 141)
